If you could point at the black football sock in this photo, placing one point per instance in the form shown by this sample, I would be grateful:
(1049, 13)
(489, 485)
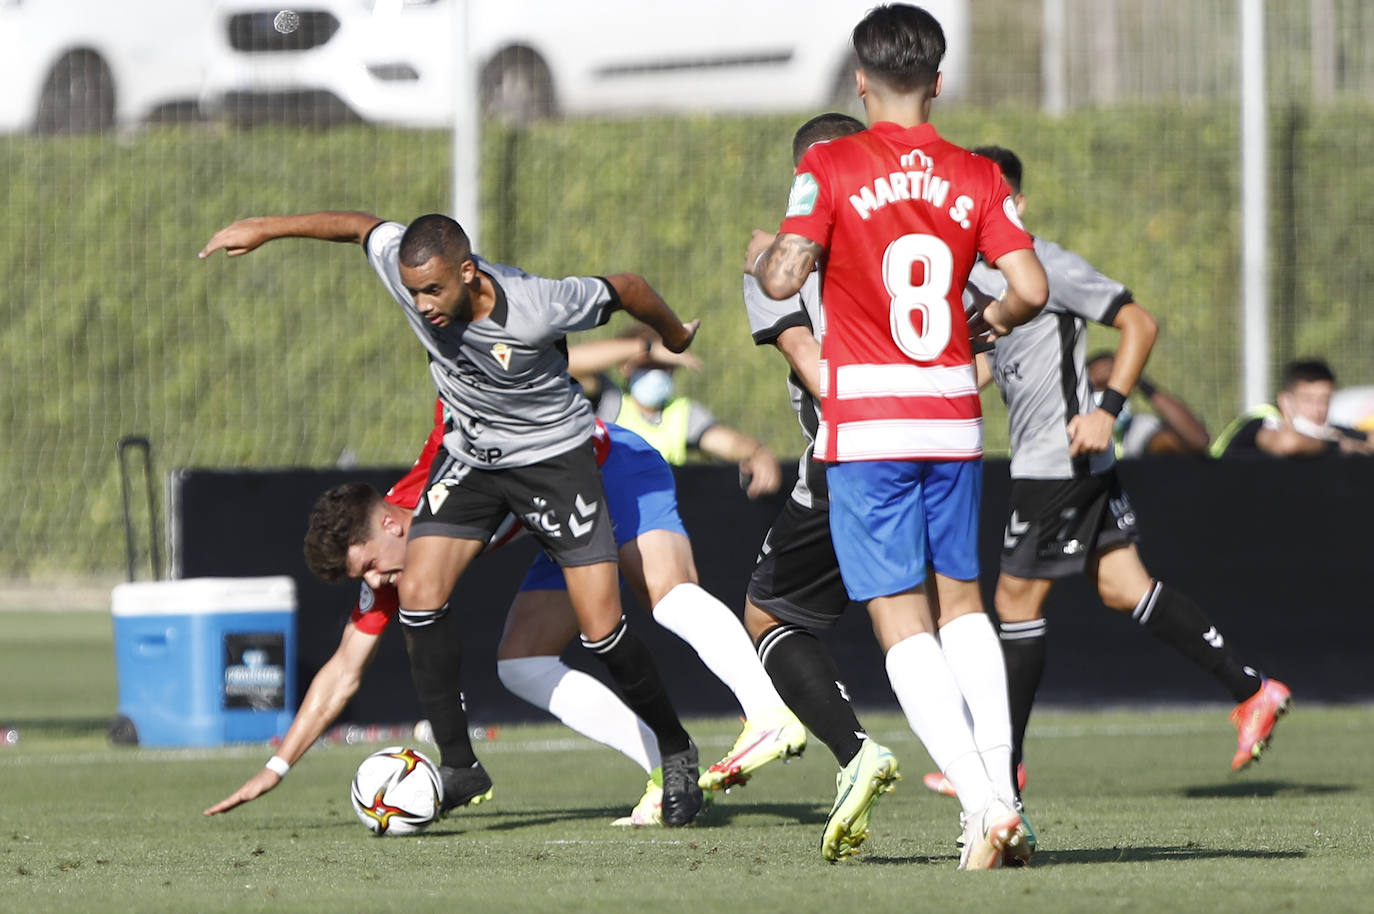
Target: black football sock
(632, 668)
(805, 676)
(436, 655)
(1023, 650)
(1180, 623)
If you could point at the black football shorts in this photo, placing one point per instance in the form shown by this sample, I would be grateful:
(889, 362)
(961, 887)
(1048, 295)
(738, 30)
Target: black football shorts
(797, 577)
(559, 500)
(1055, 525)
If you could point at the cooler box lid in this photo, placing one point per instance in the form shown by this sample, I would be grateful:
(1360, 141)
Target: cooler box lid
(191, 596)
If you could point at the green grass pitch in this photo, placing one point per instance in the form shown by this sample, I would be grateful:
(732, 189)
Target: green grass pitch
(1136, 811)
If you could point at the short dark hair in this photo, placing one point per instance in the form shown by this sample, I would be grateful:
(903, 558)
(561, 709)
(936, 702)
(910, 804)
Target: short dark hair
(341, 518)
(1305, 371)
(900, 46)
(1099, 355)
(434, 235)
(820, 128)
(1006, 160)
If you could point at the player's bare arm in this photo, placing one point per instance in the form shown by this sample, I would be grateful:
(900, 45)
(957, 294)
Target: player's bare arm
(640, 301)
(239, 238)
(784, 267)
(1183, 432)
(803, 352)
(1027, 291)
(601, 355)
(754, 459)
(982, 371)
(330, 690)
(1092, 433)
(1286, 441)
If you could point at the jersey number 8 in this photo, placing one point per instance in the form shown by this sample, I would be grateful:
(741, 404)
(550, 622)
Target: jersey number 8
(928, 299)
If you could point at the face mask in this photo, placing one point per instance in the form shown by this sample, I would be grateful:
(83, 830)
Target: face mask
(1123, 419)
(652, 387)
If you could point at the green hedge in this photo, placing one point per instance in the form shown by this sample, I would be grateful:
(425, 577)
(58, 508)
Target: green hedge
(294, 356)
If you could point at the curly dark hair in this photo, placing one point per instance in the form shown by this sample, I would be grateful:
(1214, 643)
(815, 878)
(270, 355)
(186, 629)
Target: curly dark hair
(341, 518)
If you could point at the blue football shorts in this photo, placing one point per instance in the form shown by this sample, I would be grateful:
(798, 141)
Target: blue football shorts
(890, 519)
(640, 493)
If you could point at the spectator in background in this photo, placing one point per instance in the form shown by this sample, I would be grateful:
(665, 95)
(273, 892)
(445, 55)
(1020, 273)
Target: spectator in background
(1353, 407)
(651, 407)
(1170, 429)
(1298, 426)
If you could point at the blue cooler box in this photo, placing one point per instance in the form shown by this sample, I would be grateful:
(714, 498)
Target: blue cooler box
(206, 661)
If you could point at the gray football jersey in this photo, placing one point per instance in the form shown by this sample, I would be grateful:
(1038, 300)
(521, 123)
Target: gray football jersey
(504, 378)
(1039, 365)
(768, 318)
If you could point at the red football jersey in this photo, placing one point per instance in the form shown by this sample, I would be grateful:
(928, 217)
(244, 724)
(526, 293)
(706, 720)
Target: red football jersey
(376, 608)
(902, 215)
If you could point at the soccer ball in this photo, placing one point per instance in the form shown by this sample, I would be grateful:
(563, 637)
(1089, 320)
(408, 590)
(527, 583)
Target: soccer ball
(397, 791)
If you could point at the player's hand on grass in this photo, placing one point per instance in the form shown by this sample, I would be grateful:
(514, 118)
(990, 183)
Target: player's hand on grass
(253, 788)
(684, 339)
(238, 238)
(1091, 434)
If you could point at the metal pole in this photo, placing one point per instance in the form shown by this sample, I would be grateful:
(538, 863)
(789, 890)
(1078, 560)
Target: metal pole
(1054, 93)
(1254, 156)
(467, 125)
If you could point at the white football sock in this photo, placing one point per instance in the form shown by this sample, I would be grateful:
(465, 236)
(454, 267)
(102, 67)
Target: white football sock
(930, 698)
(719, 638)
(974, 654)
(582, 703)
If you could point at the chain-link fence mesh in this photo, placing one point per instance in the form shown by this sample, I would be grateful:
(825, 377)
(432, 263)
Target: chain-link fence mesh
(1125, 113)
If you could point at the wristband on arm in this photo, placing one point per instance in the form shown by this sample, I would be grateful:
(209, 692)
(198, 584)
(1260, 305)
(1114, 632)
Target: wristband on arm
(1112, 401)
(278, 765)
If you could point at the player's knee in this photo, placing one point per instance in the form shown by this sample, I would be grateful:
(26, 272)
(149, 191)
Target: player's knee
(1120, 597)
(530, 678)
(757, 621)
(414, 591)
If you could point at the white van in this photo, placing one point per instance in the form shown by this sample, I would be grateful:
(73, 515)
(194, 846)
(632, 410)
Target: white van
(81, 65)
(392, 61)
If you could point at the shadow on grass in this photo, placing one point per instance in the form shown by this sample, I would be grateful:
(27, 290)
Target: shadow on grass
(718, 816)
(49, 727)
(1250, 789)
(1155, 855)
(1073, 856)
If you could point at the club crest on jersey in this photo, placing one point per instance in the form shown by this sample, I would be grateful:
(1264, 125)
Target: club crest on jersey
(917, 159)
(436, 496)
(502, 353)
(802, 200)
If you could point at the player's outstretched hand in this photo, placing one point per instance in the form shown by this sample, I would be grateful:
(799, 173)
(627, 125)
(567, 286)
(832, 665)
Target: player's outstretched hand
(689, 332)
(252, 788)
(237, 238)
(665, 356)
(1091, 434)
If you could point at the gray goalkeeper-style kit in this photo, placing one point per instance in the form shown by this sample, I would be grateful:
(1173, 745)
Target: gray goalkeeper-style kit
(1039, 366)
(504, 379)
